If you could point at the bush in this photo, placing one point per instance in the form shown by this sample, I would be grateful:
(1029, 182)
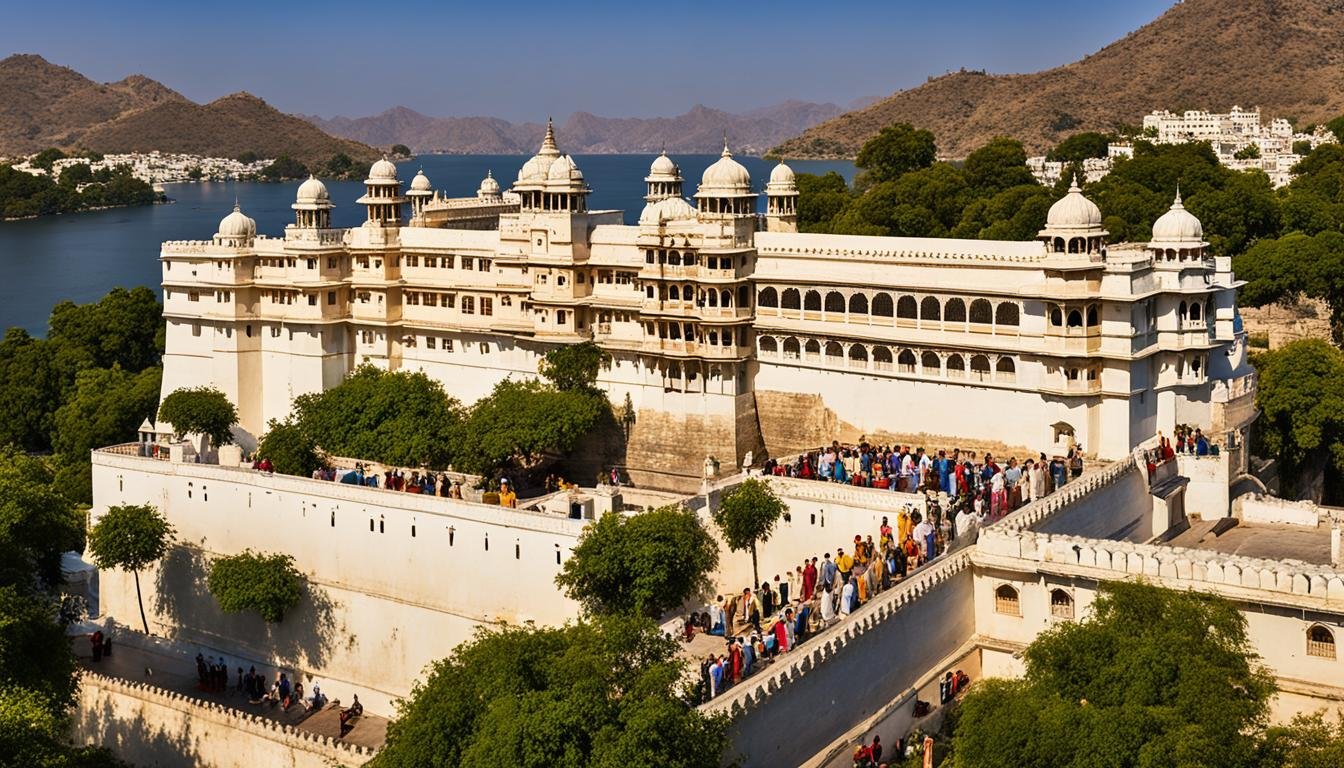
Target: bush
(200, 410)
(270, 585)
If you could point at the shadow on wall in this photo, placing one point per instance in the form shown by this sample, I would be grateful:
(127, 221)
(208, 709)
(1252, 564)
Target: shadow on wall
(135, 740)
(304, 639)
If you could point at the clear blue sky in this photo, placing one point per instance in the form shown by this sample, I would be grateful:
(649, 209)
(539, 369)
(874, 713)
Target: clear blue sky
(523, 60)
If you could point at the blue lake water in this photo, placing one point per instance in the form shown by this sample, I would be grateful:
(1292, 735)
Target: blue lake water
(82, 256)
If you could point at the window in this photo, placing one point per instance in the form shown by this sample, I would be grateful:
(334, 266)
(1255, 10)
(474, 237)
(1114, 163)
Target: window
(431, 262)
(956, 366)
(310, 263)
(193, 296)
(449, 300)
(767, 298)
(835, 302)
(812, 301)
(1006, 314)
(955, 311)
(468, 305)
(505, 301)
(331, 298)
(487, 306)
(331, 262)
(467, 263)
(412, 298)
(905, 361)
(858, 304)
(1006, 601)
(769, 346)
(447, 262)
(930, 364)
(560, 317)
(195, 329)
(430, 342)
(275, 332)
(1061, 604)
(981, 312)
(430, 299)
(1320, 642)
(312, 299)
(483, 265)
(412, 261)
(882, 305)
(930, 309)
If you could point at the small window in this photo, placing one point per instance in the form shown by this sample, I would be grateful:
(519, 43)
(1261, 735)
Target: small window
(429, 342)
(1061, 604)
(331, 298)
(312, 299)
(1320, 642)
(1006, 601)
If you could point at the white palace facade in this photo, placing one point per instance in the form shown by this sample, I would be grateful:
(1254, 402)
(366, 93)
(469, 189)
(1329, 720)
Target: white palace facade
(731, 332)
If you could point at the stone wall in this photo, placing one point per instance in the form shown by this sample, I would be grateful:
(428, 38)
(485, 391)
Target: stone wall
(150, 726)
(1266, 509)
(1307, 319)
(1109, 503)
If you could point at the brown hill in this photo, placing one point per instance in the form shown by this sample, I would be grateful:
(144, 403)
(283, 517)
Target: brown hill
(1283, 55)
(226, 127)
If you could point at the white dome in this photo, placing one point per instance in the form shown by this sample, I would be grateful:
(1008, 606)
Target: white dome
(538, 167)
(383, 170)
(664, 167)
(237, 224)
(782, 174)
(725, 177)
(564, 169)
(488, 185)
(312, 191)
(421, 182)
(667, 209)
(1073, 211)
(1178, 225)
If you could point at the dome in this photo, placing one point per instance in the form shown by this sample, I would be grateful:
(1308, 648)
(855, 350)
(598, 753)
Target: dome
(312, 191)
(663, 168)
(489, 186)
(383, 170)
(564, 169)
(726, 177)
(1073, 211)
(421, 182)
(782, 174)
(1178, 225)
(536, 169)
(668, 209)
(237, 224)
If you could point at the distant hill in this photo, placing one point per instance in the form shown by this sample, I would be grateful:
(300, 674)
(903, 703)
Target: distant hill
(44, 105)
(1283, 55)
(698, 131)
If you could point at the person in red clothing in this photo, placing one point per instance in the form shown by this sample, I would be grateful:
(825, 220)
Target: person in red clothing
(809, 579)
(781, 637)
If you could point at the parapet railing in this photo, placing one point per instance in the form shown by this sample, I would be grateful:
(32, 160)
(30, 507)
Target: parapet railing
(343, 753)
(1048, 506)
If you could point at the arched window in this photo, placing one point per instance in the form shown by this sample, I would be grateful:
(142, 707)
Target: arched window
(769, 346)
(1005, 369)
(743, 296)
(791, 348)
(1006, 601)
(1181, 312)
(1061, 604)
(929, 364)
(882, 358)
(673, 293)
(790, 299)
(835, 303)
(1091, 315)
(813, 350)
(767, 298)
(674, 258)
(834, 352)
(955, 311)
(882, 305)
(1059, 245)
(980, 368)
(982, 312)
(1006, 313)
(1194, 311)
(858, 304)
(1075, 319)
(907, 309)
(1056, 317)
(725, 298)
(711, 298)
(905, 361)
(858, 356)
(1075, 245)
(1208, 311)
(956, 366)
(929, 309)
(1320, 642)
(812, 301)
(1194, 367)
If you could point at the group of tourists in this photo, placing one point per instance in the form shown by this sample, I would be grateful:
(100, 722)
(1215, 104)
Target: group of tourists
(213, 675)
(424, 483)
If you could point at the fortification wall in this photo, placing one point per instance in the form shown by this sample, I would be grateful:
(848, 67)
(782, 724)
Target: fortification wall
(1112, 503)
(151, 726)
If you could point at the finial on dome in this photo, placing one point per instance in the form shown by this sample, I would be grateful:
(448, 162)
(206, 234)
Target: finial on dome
(726, 153)
(548, 143)
(489, 174)
(236, 206)
(1177, 203)
(1073, 183)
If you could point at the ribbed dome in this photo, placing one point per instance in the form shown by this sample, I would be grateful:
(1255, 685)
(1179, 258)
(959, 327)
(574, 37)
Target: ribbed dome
(488, 185)
(664, 168)
(383, 170)
(237, 224)
(1073, 211)
(1178, 225)
(726, 177)
(421, 182)
(782, 174)
(668, 209)
(536, 169)
(312, 191)
(564, 169)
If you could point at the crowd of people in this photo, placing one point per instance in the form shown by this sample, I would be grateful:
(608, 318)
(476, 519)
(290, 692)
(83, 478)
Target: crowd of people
(425, 483)
(213, 677)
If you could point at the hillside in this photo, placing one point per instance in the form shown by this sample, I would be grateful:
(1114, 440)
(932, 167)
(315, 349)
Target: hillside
(44, 105)
(699, 130)
(1282, 55)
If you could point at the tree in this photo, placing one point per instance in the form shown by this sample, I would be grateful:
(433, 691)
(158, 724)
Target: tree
(34, 652)
(574, 367)
(601, 693)
(1248, 152)
(37, 524)
(33, 735)
(998, 165)
(526, 426)
(1307, 742)
(1336, 127)
(249, 157)
(129, 538)
(1080, 146)
(1296, 265)
(747, 515)
(46, 158)
(1301, 402)
(284, 167)
(290, 449)
(399, 418)
(30, 390)
(820, 199)
(201, 411)
(105, 408)
(896, 150)
(643, 564)
(401, 150)
(1154, 677)
(124, 328)
(270, 585)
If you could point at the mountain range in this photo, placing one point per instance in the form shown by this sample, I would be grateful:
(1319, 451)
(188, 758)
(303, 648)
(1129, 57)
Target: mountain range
(700, 130)
(46, 105)
(1284, 56)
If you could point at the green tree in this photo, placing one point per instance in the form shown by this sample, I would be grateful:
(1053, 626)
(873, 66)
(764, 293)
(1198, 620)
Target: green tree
(290, 449)
(998, 165)
(30, 390)
(201, 411)
(747, 516)
(1296, 265)
(37, 524)
(399, 418)
(525, 427)
(1336, 127)
(1248, 152)
(76, 174)
(130, 537)
(46, 158)
(1307, 742)
(270, 585)
(401, 150)
(1080, 146)
(284, 167)
(644, 564)
(820, 199)
(574, 367)
(1301, 402)
(597, 694)
(896, 150)
(124, 328)
(34, 652)
(105, 408)
(249, 157)
(1154, 677)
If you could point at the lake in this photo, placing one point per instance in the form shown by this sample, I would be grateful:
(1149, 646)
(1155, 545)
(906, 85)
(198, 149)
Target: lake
(82, 256)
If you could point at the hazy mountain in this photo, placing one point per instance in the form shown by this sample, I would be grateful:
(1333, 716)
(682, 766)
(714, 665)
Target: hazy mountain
(700, 130)
(1285, 56)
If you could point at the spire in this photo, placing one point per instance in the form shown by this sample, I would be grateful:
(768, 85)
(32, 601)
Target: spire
(726, 153)
(1177, 202)
(1073, 183)
(548, 146)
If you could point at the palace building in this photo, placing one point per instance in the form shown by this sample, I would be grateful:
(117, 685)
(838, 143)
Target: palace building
(731, 333)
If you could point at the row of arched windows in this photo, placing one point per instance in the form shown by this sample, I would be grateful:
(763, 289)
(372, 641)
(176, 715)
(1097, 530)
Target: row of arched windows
(1005, 314)
(954, 365)
(1074, 317)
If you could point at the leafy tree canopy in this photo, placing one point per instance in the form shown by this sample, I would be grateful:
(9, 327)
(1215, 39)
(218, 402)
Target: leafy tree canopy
(34, 652)
(200, 410)
(1301, 401)
(598, 694)
(129, 537)
(747, 515)
(643, 564)
(1296, 265)
(270, 585)
(896, 150)
(574, 367)
(524, 426)
(290, 449)
(1080, 146)
(401, 150)
(284, 167)
(37, 523)
(105, 408)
